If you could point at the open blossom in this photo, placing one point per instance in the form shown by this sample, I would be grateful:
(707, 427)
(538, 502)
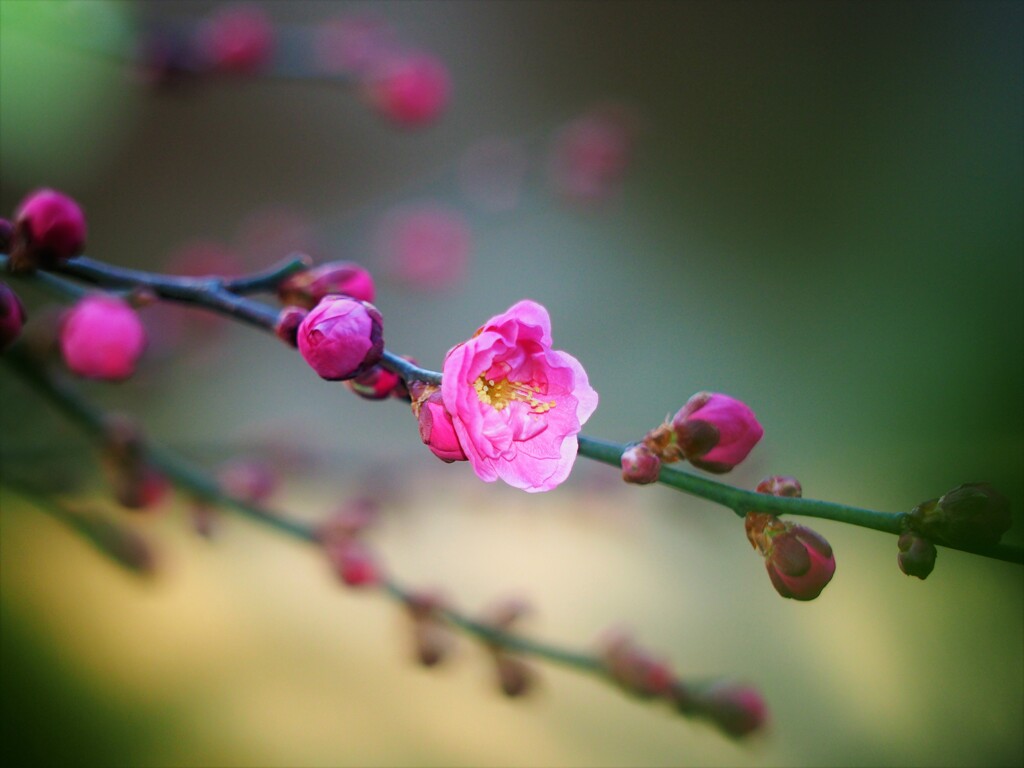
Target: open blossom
(516, 403)
(102, 338)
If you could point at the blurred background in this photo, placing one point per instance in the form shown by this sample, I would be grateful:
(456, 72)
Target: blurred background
(813, 207)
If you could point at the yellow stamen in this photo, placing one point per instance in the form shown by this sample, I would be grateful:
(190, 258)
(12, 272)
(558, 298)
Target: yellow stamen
(498, 394)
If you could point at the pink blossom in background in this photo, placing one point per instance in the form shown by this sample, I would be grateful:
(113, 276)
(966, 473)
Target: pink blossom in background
(589, 156)
(353, 43)
(341, 338)
(491, 174)
(237, 39)
(273, 233)
(425, 247)
(409, 89)
(516, 403)
(101, 337)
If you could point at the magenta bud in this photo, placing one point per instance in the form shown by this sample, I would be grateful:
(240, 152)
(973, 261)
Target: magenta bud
(101, 337)
(353, 562)
(49, 227)
(376, 384)
(237, 39)
(341, 338)
(799, 561)
(916, 556)
(780, 485)
(640, 465)
(305, 289)
(408, 89)
(12, 316)
(738, 710)
(973, 514)
(437, 430)
(716, 432)
(287, 326)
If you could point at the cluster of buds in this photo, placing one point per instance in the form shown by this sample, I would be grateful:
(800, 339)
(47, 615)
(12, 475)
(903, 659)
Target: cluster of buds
(137, 484)
(714, 432)
(340, 535)
(737, 709)
(799, 561)
(433, 641)
(12, 316)
(48, 228)
(515, 677)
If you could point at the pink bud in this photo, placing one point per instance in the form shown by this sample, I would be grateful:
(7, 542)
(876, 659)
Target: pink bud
(640, 465)
(737, 710)
(353, 562)
(48, 227)
(437, 431)
(716, 432)
(341, 338)
(305, 289)
(409, 89)
(248, 479)
(12, 316)
(287, 326)
(799, 561)
(102, 338)
(237, 39)
(376, 384)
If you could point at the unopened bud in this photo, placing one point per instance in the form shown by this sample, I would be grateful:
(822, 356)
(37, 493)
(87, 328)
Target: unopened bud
(515, 677)
(12, 316)
(716, 432)
(237, 39)
(738, 710)
(248, 479)
(353, 562)
(437, 430)
(973, 514)
(799, 561)
(408, 89)
(432, 640)
(306, 289)
(635, 668)
(287, 325)
(341, 338)
(640, 465)
(49, 227)
(917, 555)
(780, 485)
(102, 337)
(378, 383)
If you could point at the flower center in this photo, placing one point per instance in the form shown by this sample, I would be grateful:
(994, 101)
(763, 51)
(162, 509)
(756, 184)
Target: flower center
(498, 394)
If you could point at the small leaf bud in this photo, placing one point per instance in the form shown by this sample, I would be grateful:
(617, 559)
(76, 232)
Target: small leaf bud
(917, 555)
(640, 465)
(376, 384)
(972, 514)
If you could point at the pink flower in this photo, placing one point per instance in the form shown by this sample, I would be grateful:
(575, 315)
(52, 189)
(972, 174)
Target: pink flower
(101, 337)
(305, 289)
(437, 430)
(517, 404)
(12, 316)
(425, 247)
(716, 432)
(409, 89)
(341, 338)
(237, 39)
(48, 227)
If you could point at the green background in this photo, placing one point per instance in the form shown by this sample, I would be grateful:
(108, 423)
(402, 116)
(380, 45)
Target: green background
(823, 218)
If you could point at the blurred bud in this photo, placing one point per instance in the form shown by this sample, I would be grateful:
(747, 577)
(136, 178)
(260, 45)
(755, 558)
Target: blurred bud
(49, 227)
(12, 316)
(6, 235)
(136, 484)
(139, 486)
(237, 39)
(437, 431)
(799, 561)
(376, 384)
(716, 432)
(353, 562)
(590, 155)
(204, 518)
(973, 514)
(251, 480)
(348, 521)
(341, 338)
(640, 465)
(124, 545)
(432, 640)
(409, 89)
(287, 326)
(515, 677)
(425, 247)
(305, 289)
(780, 485)
(635, 668)
(916, 556)
(738, 710)
(101, 337)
